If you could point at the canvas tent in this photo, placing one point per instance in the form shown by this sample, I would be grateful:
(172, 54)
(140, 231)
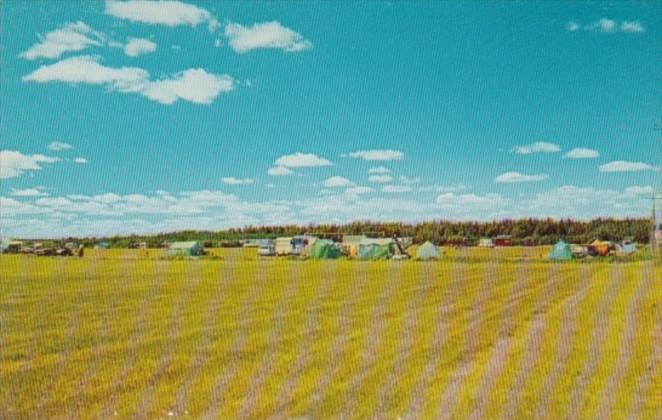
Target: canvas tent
(324, 249)
(186, 249)
(427, 251)
(626, 247)
(379, 250)
(561, 252)
(351, 244)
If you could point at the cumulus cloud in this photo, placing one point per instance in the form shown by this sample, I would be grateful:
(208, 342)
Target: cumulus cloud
(409, 181)
(70, 37)
(625, 166)
(582, 153)
(639, 190)
(384, 179)
(384, 155)
(192, 85)
(338, 182)
(451, 188)
(29, 192)
(237, 181)
(279, 171)
(138, 46)
(513, 177)
(13, 163)
(163, 12)
(243, 39)
(80, 160)
(58, 146)
(302, 160)
(358, 190)
(396, 188)
(537, 147)
(379, 170)
(607, 26)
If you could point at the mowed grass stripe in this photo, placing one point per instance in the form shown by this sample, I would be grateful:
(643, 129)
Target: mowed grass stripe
(330, 339)
(21, 327)
(483, 334)
(447, 280)
(346, 354)
(205, 339)
(644, 281)
(647, 398)
(390, 400)
(285, 395)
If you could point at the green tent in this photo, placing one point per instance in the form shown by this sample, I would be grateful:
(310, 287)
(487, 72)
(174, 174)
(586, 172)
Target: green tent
(427, 251)
(375, 252)
(187, 249)
(324, 250)
(561, 252)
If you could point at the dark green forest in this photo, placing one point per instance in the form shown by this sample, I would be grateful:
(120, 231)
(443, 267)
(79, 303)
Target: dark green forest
(522, 232)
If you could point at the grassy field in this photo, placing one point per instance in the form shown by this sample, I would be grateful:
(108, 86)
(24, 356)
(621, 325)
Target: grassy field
(480, 334)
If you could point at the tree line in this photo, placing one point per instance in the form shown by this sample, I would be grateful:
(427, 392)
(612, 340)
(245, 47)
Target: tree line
(522, 232)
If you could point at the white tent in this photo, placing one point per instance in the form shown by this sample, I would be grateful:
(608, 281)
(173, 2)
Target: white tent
(427, 251)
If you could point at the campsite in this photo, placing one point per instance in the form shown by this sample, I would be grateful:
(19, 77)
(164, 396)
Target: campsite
(489, 332)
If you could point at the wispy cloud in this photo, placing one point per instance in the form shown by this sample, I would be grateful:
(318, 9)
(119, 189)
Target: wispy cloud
(625, 166)
(29, 192)
(383, 155)
(537, 147)
(138, 46)
(58, 146)
(383, 179)
(338, 182)
(162, 12)
(302, 160)
(243, 39)
(237, 181)
(70, 37)
(396, 188)
(192, 85)
(16, 163)
(80, 160)
(582, 153)
(607, 26)
(279, 171)
(514, 177)
(379, 170)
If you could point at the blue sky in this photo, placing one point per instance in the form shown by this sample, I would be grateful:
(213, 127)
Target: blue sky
(137, 116)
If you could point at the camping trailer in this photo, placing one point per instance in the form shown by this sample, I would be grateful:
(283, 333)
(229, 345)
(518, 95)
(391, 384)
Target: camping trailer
(283, 246)
(185, 249)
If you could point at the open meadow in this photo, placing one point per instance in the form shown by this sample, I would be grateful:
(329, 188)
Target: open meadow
(482, 333)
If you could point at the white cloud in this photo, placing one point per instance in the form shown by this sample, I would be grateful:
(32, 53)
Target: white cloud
(384, 155)
(451, 188)
(29, 192)
(396, 188)
(582, 153)
(379, 170)
(13, 163)
(279, 171)
(302, 160)
(625, 166)
(358, 190)
(165, 12)
(70, 37)
(193, 85)
(409, 181)
(237, 181)
(607, 26)
(338, 182)
(634, 26)
(537, 147)
(639, 190)
(512, 177)
(80, 160)
(472, 202)
(265, 35)
(384, 179)
(137, 46)
(57, 146)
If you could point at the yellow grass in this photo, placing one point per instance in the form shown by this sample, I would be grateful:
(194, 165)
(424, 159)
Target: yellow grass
(481, 333)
